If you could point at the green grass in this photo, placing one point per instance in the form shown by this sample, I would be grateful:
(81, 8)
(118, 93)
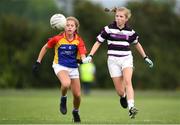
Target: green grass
(100, 107)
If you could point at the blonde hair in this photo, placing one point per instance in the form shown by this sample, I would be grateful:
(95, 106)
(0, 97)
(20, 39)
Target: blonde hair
(115, 9)
(75, 20)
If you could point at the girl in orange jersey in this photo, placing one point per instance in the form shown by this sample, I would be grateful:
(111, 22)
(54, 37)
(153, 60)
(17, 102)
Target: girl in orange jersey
(67, 46)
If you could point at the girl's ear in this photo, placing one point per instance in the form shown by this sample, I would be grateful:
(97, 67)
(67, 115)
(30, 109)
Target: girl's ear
(127, 20)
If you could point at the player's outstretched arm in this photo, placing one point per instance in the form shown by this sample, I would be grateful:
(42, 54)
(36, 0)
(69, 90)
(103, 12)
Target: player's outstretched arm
(36, 66)
(42, 53)
(95, 47)
(143, 54)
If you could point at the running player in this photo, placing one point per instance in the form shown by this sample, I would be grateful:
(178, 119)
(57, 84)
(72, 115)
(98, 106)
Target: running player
(119, 37)
(67, 45)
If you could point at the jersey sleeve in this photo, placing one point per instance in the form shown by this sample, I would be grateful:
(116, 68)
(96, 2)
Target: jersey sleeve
(81, 47)
(133, 39)
(52, 41)
(103, 34)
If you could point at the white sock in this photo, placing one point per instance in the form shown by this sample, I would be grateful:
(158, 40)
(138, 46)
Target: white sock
(124, 95)
(130, 103)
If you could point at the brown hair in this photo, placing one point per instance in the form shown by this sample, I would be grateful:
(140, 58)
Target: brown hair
(115, 9)
(75, 20)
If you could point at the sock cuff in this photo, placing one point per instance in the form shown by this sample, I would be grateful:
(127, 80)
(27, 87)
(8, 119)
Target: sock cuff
(75, 110)
(124, 95)
(130, 101)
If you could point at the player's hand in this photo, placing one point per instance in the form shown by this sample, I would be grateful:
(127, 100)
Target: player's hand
(79, 61)
(88, 59)
(36, 68)
(148, 61)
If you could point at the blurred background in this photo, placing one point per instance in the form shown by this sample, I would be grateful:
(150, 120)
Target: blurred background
(25, 28)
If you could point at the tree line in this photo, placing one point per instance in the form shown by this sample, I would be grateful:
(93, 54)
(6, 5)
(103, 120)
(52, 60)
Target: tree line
(25, 28)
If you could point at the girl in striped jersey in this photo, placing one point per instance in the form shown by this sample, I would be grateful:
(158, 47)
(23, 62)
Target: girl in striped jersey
(120, 60)
(67, 46)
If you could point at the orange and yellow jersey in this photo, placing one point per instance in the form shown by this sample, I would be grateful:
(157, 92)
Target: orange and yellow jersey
(66, 52)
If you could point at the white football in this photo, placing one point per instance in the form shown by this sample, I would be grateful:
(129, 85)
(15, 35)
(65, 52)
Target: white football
(58, 21)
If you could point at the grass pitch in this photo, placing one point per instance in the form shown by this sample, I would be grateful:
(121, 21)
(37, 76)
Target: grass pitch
(100, 107)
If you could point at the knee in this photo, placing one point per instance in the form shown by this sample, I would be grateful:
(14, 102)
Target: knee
(65, 85)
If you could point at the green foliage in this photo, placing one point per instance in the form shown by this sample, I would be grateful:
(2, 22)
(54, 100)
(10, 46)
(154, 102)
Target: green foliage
(36, 10)
(25, 29)
(21, 39)
(159, 35)
(91, 21)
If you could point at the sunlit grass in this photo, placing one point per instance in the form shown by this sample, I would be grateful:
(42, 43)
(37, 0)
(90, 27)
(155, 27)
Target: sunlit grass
(100, 107)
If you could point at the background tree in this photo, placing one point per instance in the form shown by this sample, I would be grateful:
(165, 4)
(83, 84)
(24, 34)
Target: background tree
(25, 28)
(157, 23)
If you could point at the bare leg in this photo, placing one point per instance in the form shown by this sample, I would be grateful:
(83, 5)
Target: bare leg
(119, 86)
(76, 91)
(65, 84)
(127, 76)
(65, 81)
(120, 89)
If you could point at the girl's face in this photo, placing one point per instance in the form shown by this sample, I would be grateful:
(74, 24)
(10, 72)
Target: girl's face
(70, 27)
(120, 18)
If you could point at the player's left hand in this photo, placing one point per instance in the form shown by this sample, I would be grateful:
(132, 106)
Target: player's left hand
(148, 61)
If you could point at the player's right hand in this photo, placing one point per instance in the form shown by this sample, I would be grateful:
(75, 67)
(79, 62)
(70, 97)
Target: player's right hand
(88, 59)
(36, 68)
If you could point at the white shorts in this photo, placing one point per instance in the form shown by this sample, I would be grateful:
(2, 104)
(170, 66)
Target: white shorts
(117, 64)
(73, 72)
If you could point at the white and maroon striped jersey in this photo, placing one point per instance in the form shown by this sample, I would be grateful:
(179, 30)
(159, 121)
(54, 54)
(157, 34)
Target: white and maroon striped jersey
(119, 40)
